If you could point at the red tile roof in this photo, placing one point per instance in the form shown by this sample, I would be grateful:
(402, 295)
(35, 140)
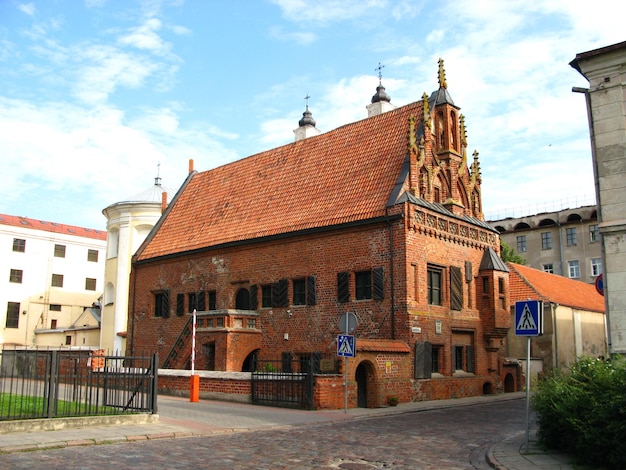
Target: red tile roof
(528, 283)
(34, 224)
(382, 345)
(343, 175)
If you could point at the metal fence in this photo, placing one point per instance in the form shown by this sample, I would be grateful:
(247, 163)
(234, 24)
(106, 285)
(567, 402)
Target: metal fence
(288, 382)
(61, 383)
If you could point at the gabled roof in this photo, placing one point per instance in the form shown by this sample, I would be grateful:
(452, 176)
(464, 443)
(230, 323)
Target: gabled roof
(34, 224)
(528, 283)
(492, 262)
(342, 176)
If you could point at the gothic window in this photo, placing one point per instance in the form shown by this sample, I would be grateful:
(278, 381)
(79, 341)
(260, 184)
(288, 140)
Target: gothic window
(242, 301)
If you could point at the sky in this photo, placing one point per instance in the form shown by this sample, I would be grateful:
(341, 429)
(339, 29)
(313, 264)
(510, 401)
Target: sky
(99, 97)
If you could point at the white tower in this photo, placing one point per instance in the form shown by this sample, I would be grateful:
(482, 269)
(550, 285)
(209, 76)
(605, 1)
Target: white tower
(128, 224)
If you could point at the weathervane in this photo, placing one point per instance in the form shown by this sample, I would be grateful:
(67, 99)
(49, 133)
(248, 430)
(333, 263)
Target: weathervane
(380, 73)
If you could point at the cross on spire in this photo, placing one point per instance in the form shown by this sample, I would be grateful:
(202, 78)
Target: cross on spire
(380, 73)
(307, 100)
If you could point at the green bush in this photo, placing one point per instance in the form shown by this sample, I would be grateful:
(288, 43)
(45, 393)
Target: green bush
(582, 411)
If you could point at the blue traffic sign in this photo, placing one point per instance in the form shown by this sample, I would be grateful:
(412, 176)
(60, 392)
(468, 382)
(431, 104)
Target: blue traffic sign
(528, 318)
(346, 346)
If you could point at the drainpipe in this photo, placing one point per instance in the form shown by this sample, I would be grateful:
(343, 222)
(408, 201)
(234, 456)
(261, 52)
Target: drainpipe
(555, 336)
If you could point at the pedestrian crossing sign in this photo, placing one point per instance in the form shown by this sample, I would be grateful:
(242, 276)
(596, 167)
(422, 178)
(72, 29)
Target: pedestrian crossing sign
(529, 318)
(346, 346)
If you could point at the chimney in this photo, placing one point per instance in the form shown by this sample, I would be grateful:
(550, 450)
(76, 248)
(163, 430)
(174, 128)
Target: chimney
(190, 165)
(163, 201)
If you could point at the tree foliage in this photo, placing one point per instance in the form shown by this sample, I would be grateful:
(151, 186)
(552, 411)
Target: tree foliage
(509, 255)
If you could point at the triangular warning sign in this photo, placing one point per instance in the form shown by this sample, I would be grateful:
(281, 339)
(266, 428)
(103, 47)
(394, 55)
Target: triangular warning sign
(345, 348)
(526, 320)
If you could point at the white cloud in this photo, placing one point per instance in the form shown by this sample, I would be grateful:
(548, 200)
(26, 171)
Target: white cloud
(302, 38)
(145, 37)
(327, 11)
(27, 8)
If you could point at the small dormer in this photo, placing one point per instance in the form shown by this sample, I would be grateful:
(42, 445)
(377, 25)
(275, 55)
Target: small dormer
(306, 125)
(381, 101)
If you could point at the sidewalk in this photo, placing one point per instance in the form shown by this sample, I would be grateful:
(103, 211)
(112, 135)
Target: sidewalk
(180, 419)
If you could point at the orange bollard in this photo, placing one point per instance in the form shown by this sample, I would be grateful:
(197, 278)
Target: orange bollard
(194, 393)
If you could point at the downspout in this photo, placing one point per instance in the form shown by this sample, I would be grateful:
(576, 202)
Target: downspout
(555, 336)
(132, 318)
(391, 279)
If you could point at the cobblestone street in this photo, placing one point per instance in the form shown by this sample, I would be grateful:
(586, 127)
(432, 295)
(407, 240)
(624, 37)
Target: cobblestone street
(451, 438)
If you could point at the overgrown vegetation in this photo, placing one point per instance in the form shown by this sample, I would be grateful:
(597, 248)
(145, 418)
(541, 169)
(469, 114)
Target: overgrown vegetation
(509, 255)
(582, 411)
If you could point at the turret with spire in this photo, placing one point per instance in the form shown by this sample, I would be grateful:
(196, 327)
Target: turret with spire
(306, 125)
(381, 101)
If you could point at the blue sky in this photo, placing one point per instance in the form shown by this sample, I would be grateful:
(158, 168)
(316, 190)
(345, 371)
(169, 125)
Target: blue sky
(96, 96)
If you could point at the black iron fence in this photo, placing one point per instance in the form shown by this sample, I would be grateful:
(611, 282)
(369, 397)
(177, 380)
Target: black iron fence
(61, 383)
(288, 382)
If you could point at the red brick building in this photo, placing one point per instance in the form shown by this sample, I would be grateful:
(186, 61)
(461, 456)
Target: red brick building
(381, 218)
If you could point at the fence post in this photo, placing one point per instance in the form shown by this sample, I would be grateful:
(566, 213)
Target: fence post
(155, 383)
(53, 389)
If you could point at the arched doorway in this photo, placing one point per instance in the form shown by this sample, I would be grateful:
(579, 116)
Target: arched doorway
(364, 377)
(509, 383)
(249, 364)
(242, 301)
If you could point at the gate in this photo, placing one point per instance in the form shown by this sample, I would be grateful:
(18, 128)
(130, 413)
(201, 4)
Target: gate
(288, 382)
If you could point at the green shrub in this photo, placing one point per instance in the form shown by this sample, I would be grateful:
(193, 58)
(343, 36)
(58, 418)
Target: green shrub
(582, 411)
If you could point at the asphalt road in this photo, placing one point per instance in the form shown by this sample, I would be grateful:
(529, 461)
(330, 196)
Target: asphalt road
(451, 438)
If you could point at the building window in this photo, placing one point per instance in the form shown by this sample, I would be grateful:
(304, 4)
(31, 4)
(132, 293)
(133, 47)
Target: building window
(68, 340)
(299, 292)
(546, 240)
(16, 276)
(90, 284)
(571, 237)
(463, 351)
(434, 275)
(212, 300)
(53, 324)
(92, 255)
(485, 285)
(59, 251)
(54, 308)
(57, 280)
(162, 304)
(596, 266)
(594, 233)
(19, 245)
(521, 244)
(363, 285)
(574, 269)
(266, 296)
(548, 268)
(180, 304)
(251, 323)
(219, 322)
(13, 315)
(435, 358)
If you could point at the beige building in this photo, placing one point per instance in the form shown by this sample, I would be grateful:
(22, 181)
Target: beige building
(53, 279)
(128, 224)
(605, 69)
(573, 318)
(564, 242)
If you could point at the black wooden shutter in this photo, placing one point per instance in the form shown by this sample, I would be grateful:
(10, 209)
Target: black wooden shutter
(201, 301)
(254, 298)
(280, 293)
(165, 304)
(343, 287)
(379, 283)
(310, 290)
(468, 271)
(180, 304)
(456, 288)
(286, 359)
(423, 360)
(469, 358)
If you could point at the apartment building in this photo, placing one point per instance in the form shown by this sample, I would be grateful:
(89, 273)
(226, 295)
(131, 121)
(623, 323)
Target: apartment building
(564, 242)
(53, 279)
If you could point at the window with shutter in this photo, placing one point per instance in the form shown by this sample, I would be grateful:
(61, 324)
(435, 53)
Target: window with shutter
(201, 301)
(162, 304)
(280, 293)
(254, 298)
(343, 287)
(423, 360)
(310, 291)
(180, 304)
(379, 280)
(469, 358)
(456, 288)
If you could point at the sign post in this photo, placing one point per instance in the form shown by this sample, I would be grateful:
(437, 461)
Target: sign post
(528, 322)
(346, 347)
